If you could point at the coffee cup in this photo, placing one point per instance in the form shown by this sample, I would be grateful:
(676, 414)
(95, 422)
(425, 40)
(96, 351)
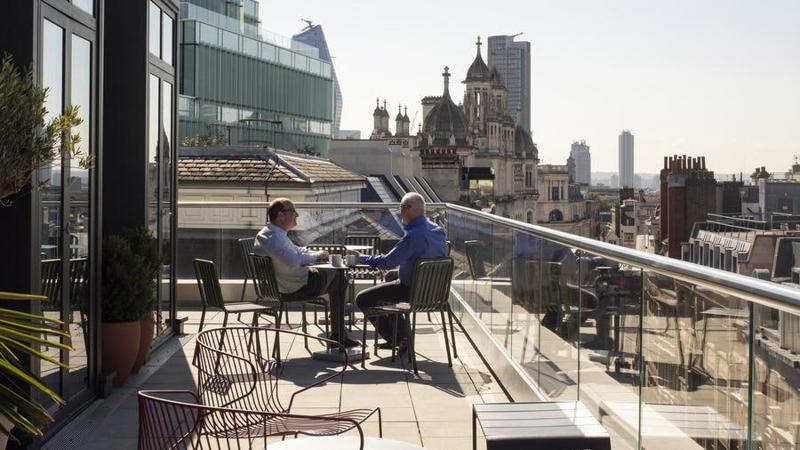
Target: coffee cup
(352, 260)
(336, 260)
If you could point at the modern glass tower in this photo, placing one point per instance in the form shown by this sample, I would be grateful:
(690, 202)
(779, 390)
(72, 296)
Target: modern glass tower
(513, 61)
(241, 85)
(315, 37)
(626, 159)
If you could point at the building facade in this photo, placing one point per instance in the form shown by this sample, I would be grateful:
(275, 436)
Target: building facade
(688, 194)
(626, 178)
(583, 162)
(314, 36)
(513, 62)
(117, 62)
(244, 86)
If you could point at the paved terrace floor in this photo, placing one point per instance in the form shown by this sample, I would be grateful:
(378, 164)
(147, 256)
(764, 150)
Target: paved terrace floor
(432, 410)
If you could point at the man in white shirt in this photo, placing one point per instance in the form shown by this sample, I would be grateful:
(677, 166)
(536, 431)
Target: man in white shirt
(295, 279)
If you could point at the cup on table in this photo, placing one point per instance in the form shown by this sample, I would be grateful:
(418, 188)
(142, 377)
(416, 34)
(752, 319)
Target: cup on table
(336, 260)
(352, 260)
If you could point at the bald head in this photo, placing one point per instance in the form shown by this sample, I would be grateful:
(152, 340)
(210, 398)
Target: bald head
(411, 206)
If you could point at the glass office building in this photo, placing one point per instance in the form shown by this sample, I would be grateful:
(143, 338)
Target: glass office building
(240, 85)
(513, 61)
(315, 37)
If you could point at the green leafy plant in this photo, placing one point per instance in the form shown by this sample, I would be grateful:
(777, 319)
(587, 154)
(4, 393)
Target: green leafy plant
(145, 245)
(27, 143)
(21, 334)
(128, 282)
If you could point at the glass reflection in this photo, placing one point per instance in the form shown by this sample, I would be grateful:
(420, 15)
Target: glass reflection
(154, 30)
(166, 38)
(165, 169)
(86, 5)
(80, 214)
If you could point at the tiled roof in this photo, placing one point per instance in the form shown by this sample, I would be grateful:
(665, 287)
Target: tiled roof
(292, 169)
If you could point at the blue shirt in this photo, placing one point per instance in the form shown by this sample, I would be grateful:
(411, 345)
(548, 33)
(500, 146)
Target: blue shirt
(422, 239)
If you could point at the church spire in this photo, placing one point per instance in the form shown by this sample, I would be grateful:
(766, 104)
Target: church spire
(446, 76)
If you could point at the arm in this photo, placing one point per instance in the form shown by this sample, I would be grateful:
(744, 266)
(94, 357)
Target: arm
(285, 251)
(401, 252)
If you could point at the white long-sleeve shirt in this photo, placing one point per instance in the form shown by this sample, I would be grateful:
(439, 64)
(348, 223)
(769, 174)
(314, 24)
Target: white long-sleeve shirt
(290, 261)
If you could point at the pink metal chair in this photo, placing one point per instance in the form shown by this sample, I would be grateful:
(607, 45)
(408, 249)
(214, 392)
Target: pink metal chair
(236, 370)
(168, 421)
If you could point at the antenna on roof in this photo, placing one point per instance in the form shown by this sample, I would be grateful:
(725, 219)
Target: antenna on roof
(309, 24)
(518, 34)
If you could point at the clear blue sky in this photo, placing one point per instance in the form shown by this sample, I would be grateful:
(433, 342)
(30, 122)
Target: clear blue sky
(714, 78)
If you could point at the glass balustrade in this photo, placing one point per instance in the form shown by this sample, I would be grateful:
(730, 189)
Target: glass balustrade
(666, 354)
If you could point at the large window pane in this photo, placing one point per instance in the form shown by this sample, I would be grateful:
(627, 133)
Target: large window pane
(208, 35)
(155, 30)
(153, 130)
(166, 38)
(51, 194)
(165, 237)
(86, 5)
(80, 215)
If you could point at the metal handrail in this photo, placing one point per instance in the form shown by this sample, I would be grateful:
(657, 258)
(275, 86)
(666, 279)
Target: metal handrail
(761, 292)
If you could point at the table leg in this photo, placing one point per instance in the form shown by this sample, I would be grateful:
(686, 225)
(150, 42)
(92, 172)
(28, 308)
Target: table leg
(474, 430)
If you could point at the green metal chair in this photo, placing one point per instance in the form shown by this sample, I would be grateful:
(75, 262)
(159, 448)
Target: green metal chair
(266, 285)
(246, 247)
(430, 292)
(211, 295)
(51, 282)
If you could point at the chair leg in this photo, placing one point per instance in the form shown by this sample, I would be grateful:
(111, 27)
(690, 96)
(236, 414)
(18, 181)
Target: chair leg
(305, 326)
(244, 288)
(411, 325)
(327, 319)
(452, 331)
(446, 343)
(276, 347)
(202, 318)
(394, 334)
(364, 343)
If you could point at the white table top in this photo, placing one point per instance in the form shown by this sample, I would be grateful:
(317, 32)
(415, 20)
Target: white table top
(357, 248)
(341, 443)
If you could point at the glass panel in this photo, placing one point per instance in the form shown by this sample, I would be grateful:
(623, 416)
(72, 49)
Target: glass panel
(209, 35)
(86, 5)
(695, 375)
(154, 30)
(51, 194)
(230, 114)
(230, 41)
(300, 62)
(285, 56)
(166, 38)
(268, 52)
(250, 47)
(165, 237)
(79, 216)
(153, 130)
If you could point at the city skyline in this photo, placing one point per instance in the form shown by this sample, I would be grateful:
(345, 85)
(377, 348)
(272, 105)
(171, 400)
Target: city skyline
(716, 78)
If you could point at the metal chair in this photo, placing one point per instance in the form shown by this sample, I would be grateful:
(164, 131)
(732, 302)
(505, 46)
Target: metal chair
(246, 247)
(233, 372)
(211, 295)
(266, 286)
(430, 292)
(51, 282)
(165, 422)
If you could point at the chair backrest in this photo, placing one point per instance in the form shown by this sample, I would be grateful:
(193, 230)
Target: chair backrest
(208, 283)
(333, 249)
(474, 251)
(166, 423)
(372, 241)
(430, 285)
(51, 282)
(236, 368)
(264, 279)
(449, 247)
(547, 285)
(246, 246)
(78, 282)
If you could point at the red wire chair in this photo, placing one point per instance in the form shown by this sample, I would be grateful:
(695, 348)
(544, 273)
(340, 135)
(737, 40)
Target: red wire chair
(236, 370)
(167, 423)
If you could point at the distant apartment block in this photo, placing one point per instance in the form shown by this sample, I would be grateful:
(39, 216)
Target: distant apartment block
(626, 178)
(513, 61)
(583, 162)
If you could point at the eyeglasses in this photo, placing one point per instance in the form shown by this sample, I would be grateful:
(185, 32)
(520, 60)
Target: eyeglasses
(404, 207)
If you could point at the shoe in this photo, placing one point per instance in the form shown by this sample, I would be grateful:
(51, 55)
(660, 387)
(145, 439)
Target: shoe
(388, 346)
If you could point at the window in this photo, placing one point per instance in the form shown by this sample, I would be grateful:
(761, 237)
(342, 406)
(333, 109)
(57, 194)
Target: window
(155, 30)
(268, 52)
(166, 38)
(285, 56)
(230, 41)
(250, 47)
(86, 5)
(208, 35)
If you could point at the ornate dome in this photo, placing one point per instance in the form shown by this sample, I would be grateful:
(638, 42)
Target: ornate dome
(523, 143)
(399, 116)
(377, 111)
(445, 119)
(478, 71)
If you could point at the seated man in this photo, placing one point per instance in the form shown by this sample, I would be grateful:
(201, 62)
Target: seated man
(422, 239)
(295, 279)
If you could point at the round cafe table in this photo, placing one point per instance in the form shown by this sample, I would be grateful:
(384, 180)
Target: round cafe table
(341, 443)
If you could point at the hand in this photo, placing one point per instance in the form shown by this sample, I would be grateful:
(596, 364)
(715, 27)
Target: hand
(392, 275)
(353, 252)
(323, 255)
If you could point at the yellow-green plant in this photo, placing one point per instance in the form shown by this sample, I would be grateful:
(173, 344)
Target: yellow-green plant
(22, 334)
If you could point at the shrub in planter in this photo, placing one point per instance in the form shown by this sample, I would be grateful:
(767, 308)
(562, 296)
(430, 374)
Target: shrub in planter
(128, 290)
(145, 245)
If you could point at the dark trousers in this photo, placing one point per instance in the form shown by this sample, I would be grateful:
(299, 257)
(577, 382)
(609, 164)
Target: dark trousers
(384, 294)
(321, 282)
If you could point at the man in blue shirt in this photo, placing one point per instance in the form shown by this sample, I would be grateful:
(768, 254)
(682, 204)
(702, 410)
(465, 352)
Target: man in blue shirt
(422, 239)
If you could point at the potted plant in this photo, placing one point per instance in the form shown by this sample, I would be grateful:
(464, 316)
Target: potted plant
(21, 334)
(127, 294)
(145, 245)
(27, 143)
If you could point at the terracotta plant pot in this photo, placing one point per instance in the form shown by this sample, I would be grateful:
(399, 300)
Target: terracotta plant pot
(120, 347)
(147, 325)
(8, 426)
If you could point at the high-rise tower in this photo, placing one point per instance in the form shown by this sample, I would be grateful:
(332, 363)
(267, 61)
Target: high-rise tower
(513, 62)
(315, 37)
(583, 162)
(626, 159)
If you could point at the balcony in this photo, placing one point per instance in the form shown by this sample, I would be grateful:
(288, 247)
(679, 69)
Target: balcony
(666, 354)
